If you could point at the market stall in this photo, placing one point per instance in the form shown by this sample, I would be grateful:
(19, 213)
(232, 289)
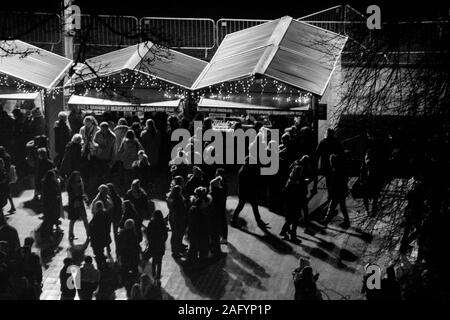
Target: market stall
(139, 78)
(31, 77)
(281, 64)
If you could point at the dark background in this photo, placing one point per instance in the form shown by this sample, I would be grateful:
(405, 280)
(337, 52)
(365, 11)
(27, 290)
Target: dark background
(251, 9)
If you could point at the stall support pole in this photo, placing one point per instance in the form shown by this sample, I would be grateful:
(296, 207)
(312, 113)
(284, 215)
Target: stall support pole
(315, 118)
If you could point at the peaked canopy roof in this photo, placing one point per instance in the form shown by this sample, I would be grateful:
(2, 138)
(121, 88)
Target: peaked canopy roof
(147, 58)
(36, 66)
(290, 51)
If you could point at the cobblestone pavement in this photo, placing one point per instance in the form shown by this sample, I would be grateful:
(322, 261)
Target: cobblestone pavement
(258, 264)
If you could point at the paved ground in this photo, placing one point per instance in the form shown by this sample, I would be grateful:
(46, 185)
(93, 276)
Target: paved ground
(258, 264)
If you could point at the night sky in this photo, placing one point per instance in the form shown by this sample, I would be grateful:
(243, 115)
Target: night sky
(216, 9)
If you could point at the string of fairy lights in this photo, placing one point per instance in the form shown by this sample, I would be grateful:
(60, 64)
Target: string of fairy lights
(250, 87)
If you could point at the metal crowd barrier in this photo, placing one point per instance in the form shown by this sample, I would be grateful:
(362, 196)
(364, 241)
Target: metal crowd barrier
(109, 30)
(226, 26)
(38, 28)
(182, 33)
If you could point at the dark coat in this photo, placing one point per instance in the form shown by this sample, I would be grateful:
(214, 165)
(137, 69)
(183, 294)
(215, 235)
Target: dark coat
(76, 202)
(51, 200)
(99, 229)
(43, 166)
(128, 248)
(156, 237)
(294, 193)
(248, 181)
(62, 136)
(338, 184)
(72, 159)
(324, 150)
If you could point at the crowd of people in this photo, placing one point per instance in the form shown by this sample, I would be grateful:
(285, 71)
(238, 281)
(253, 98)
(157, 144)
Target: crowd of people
(111, 168)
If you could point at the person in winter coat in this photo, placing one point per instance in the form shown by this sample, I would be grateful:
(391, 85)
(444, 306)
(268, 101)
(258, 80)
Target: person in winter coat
(120, 131)
(217, 216)
(88, 131)
(116, 210)
(295, 194)
(128, 154)
(128, 212)
(88, 151)
(99, 230)
(248, 192)
(151, 141)
(177, 205)
(305, 285)
(223, 205)
(105, 141)
(142, 204)
(142, 170)
(104, 197)
(51, 202)
(6, 179)
(71, 160)
(327, 146)
(77, 198)
(109, 281)
(198, 225)
(37, 124)
(89, 279)
(75, 120)
(194, 181)
(44, 164)
(156, 233)
(67, 292)
(372, 180)
(128, 251)
(63, 135)
(337, 190)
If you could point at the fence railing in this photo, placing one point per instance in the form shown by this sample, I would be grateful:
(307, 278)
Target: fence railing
(109, 30)
(183, 33)
(38, 28)
(226, 26)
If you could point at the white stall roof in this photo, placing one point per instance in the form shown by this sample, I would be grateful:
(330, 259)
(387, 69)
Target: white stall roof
(31, 64)
(287, 50)
(165, 64)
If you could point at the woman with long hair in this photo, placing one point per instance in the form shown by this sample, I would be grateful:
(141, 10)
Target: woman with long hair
(77, 198)
(99, 231)
(116, 210)
(156, 236)
(88, 150)
(128, 154)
